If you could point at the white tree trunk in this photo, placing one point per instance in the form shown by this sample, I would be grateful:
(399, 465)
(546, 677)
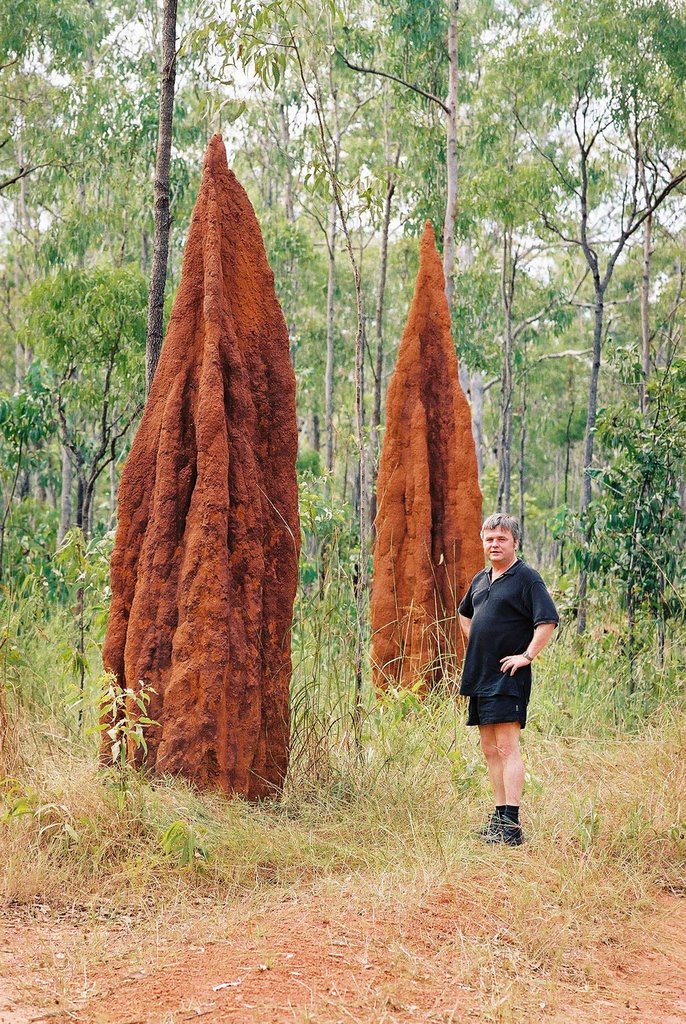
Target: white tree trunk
(65, 501)
(451, 159)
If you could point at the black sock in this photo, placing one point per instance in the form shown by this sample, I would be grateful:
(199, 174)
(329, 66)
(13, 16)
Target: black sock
(500, 809)
(512, 813)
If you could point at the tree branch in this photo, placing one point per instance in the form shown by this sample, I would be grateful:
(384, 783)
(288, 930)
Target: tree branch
(23, 171)
(394, 78)
(629, 231)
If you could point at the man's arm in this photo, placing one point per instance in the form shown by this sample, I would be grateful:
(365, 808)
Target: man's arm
(465, 624)
(542, 634)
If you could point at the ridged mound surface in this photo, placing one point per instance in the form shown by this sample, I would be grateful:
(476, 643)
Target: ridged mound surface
(205, 561)
(428, 546)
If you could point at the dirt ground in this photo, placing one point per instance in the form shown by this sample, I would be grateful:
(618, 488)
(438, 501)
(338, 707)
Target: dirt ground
(311, 961)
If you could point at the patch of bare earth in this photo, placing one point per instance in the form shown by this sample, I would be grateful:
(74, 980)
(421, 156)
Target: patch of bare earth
(311, 959)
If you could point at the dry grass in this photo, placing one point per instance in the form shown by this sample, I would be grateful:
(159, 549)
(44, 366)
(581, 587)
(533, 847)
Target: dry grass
(389, 828)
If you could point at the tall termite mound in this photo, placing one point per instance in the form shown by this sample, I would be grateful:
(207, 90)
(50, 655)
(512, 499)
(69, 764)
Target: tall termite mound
(429, 504)
(205, 560)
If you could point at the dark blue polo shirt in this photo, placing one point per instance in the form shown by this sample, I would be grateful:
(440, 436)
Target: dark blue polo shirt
(504, 614)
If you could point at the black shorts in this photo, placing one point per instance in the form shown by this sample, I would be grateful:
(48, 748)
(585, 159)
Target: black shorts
(494, 710)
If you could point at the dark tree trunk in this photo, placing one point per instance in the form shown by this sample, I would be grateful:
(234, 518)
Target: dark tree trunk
(568, 451)
(158, 278)
(588, 444)
(112, 518)
(378, 328)
(80, 498)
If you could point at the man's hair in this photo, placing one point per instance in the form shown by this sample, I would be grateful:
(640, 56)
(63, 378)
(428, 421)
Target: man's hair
(506, 522)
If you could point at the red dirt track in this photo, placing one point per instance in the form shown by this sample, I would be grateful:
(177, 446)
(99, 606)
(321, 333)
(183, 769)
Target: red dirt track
(344, 963)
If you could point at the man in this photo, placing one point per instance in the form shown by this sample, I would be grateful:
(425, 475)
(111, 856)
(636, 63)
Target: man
(508, 617)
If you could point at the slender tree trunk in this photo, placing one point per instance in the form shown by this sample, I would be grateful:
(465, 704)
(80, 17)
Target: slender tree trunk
(378, 330)
(451, 158)
(145, 252)
(284, 132)
(8, 508)
(592, 399)
(158, 278)
(316, 433)
(80, 497)
(112, 518)
(661, 623)
(6, 758)
(476, 394)
(522, 456)
(631, 635)
(507, 279)
(23, 356)
(65, 501)
(588, 443)
(89, 508)
(361, 581)
(335, 211)
(21, 361)
(346, 465)
(645, 312)
(330, 295)
(19, 365)
(568, 451)
(285, 143)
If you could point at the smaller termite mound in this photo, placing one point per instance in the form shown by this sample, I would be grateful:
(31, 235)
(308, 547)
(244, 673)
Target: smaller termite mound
(427, 546)
(205, 561)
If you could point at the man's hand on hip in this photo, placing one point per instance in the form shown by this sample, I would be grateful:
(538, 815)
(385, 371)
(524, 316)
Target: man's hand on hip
(542, 634)
(514, 661)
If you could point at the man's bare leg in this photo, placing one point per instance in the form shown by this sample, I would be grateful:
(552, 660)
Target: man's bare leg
(506, 741)
(494, 761)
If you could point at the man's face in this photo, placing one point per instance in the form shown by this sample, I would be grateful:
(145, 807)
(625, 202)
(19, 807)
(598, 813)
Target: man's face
(499, 547)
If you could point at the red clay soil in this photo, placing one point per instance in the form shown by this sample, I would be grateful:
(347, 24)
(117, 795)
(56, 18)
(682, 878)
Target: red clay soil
(320, 964)
(205, 561)
(427, 527)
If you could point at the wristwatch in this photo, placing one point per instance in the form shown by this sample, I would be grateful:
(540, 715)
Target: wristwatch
(529, 657)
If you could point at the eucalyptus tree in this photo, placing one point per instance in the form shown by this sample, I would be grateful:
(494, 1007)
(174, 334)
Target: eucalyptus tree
(40, 43)
(89, 328)
(590, 97)
(498, 183)
(25, 423)
(638, 536)
(428, 29)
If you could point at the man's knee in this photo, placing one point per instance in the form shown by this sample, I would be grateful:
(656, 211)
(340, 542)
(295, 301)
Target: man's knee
(507, 740)
(489, 744)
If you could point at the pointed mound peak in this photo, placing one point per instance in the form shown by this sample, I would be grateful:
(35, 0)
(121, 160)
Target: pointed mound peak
(215, 156)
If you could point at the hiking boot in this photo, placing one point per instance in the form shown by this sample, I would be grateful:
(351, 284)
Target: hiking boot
(510, 832)
(490, 832)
